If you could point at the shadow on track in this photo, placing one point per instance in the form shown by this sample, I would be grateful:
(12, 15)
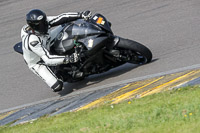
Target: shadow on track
(95, 79)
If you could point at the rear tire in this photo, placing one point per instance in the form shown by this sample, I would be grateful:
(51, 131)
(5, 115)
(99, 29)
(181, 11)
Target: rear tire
(140, 51)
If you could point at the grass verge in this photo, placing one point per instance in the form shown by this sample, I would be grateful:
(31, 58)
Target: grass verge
(171, 111)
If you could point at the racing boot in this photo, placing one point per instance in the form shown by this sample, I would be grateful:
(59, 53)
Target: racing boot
(58, 86)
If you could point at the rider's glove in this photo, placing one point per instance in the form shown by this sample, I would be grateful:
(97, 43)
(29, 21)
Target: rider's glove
(71, 59)
(86, 15)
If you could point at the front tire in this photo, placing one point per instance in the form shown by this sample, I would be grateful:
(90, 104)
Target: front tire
(138, 53)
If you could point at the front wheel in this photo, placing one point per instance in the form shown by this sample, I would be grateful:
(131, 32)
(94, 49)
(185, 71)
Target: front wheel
(134, 52)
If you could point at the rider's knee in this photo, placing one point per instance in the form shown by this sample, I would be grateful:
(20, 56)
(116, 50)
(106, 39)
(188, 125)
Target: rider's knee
(58, 86)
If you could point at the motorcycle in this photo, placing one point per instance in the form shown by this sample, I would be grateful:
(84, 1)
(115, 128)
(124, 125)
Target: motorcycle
(98, 48)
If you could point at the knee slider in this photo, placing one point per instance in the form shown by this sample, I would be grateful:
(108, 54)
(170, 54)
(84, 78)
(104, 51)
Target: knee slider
(57, 86)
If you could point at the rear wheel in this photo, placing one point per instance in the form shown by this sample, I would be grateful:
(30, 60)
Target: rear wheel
(134, 52)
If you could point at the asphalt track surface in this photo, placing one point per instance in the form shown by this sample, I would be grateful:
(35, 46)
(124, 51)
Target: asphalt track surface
(170, 28)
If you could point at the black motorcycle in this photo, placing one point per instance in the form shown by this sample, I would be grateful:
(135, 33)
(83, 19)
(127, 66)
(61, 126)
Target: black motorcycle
(98, 48)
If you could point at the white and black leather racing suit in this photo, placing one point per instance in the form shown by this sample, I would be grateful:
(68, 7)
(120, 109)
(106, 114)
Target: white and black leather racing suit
(36, 49)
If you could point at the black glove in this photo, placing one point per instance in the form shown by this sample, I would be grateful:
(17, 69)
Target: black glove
(86, 14)
(71, 59)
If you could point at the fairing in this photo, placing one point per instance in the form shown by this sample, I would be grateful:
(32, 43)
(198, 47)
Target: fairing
(102, 22)
(92, 33)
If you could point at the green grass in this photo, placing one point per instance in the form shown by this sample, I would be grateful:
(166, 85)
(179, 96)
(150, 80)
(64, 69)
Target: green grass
(176, 111)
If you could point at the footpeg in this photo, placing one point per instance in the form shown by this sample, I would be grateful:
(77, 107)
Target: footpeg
(115, 53)
(78, 74)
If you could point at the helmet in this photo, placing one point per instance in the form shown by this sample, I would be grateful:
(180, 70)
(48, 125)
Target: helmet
(37, 20)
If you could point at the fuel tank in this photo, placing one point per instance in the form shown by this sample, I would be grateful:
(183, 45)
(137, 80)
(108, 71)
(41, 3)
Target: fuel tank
(78, 31)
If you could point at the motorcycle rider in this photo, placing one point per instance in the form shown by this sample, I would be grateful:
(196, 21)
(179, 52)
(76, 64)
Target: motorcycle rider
(36, 44)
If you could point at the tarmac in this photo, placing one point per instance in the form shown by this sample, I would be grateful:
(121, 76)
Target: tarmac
(111, 94)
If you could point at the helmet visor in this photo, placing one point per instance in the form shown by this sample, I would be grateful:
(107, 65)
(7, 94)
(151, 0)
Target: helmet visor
(41, 27)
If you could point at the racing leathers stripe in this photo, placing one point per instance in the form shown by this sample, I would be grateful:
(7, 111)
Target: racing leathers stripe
(63, 18)
(39, 49)
(36, 49)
